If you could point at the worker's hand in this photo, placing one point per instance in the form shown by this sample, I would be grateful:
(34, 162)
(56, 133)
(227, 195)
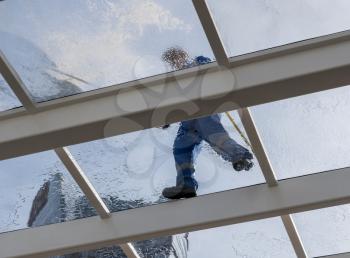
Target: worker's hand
(165, 126)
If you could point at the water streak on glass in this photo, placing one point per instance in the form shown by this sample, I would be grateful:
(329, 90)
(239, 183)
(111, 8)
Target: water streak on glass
(131, 170)
(325, 231)
(252, 25)
(8, 100)
(64, 47)
(36, 190)
(307, 134)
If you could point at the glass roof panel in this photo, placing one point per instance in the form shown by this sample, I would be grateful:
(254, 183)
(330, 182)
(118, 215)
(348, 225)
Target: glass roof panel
(325, 231)
(307, 134)
(64, 47)
(131, 170)
(36, 190)
(251, 25)
(8, 100)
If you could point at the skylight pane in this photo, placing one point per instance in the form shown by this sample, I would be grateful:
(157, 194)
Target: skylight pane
(326, 231)
(252, 25)
(131, 170)
(8, 100)
(64, 47)
(36, 190)
(307, 134)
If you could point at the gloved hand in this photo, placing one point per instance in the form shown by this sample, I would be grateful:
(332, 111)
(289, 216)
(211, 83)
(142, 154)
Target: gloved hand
(165, 126)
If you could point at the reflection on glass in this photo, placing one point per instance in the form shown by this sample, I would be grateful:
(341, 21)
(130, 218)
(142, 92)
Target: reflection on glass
(8, 100)
(36, 190)
(307, 134)
(326, 231)
(63, 47)
(131, 170)
(251, 25)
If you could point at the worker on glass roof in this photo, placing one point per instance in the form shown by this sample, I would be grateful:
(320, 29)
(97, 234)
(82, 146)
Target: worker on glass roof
(192, 132)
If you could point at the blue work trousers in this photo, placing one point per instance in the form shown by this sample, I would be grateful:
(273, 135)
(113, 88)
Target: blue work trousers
(189, 137)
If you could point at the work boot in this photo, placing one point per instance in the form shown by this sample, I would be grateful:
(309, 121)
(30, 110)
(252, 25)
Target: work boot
(245, 163)
(186, 188)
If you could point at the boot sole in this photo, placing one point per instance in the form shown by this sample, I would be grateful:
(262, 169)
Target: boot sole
(182, 196)
(190, 195)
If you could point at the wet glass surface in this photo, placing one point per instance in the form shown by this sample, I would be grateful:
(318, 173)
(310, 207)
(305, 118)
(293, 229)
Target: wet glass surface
(325, 231)
(36, 190)
(131, 170)
(251, 25)
(303, 135)
(64, 47)
(8, 100)
(307, 134)
(263, 238)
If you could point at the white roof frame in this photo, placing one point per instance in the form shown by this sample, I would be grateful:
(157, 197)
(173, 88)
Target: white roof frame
(219, 209)
(283, 72)
(270, 178)
(63, 153)
(211, 32)
(288, 71)
(221, 56)
(16, 84)
(81, 179)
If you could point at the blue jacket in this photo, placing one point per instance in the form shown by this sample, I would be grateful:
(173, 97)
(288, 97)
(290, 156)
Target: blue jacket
(198, 60)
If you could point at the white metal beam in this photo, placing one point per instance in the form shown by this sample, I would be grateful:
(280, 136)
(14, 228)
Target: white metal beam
(255, 202)
(294, 236)
(252, 80)
(258, 147)
(67, 159)
(218, 48)
(129, 250)
(64, 155)
(83, 182)
(270, 177)
(211, 31)
(94, 198)
(15, 83)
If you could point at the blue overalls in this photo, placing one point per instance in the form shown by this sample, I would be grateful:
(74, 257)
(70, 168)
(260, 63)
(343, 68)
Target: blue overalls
(189, 137)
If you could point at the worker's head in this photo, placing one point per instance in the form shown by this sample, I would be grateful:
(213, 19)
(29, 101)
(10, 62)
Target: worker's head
(176, 57)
